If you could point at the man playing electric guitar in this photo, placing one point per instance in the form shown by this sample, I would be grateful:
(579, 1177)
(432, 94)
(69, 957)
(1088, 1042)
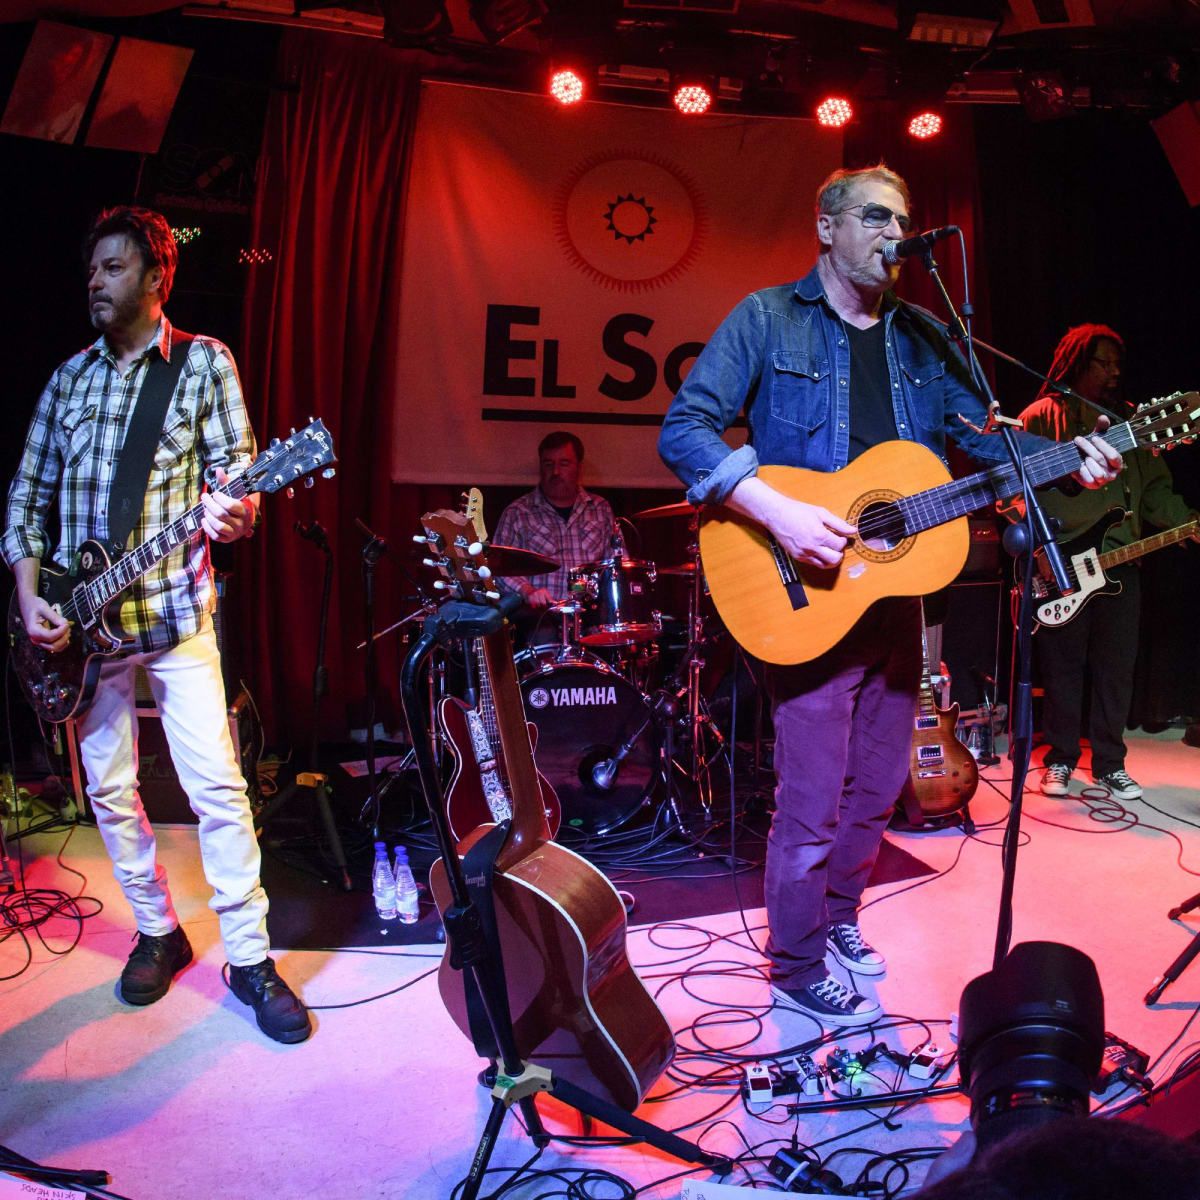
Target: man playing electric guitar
(826, 369)
(1103, 635)
(72, 454)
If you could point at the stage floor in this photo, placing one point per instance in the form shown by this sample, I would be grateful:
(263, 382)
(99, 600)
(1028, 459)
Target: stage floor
(186, 1100)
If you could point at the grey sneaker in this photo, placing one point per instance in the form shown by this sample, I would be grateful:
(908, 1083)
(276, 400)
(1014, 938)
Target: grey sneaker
(848, 947)
(1121, 784)
(829, 1001)
(1056, 780)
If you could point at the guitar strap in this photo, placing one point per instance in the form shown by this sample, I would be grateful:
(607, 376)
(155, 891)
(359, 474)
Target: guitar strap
(127, 494)
(479, 870)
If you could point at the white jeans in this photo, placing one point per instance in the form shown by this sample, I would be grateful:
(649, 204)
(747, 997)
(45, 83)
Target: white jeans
(187, 687)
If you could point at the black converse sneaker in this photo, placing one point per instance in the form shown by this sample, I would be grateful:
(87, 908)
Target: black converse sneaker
(1121, 784)
(849, 948)
(830, 1002)
(1056, 780)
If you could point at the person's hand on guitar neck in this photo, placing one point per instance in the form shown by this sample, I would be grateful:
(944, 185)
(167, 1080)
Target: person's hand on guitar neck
(48, 629)
(807, 532)
(226, 519)
(1101, 463)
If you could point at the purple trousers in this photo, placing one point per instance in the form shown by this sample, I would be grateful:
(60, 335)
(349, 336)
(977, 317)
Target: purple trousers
(843, 740)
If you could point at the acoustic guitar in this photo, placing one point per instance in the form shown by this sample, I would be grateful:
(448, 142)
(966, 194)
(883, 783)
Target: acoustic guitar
(942, 772)
(62, 685)
(478, 789)
(1086, 569)
(912, 534)
(577, 1005)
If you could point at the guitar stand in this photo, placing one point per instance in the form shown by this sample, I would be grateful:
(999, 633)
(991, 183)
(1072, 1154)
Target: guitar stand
(1190, 951)
(474, 948)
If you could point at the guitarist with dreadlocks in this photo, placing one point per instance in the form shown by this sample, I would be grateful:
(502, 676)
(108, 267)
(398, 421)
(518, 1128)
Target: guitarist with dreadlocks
(1102, 638)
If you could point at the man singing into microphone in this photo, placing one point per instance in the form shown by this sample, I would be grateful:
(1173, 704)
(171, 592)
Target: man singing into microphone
(824, 369)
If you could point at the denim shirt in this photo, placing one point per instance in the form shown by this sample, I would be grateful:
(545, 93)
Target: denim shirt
(782, 356)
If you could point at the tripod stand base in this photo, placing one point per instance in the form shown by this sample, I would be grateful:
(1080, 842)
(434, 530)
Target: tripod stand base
(521, 1090)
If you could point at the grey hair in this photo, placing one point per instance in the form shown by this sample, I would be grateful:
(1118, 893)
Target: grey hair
(837, 189)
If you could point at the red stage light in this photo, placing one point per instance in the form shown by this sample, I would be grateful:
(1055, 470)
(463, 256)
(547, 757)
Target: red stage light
(834, 112)
(566, 86)
(692, 99)
(925, 125)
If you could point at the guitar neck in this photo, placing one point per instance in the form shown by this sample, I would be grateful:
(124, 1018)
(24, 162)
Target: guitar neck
(948, 501)
(487, 710)
(926, 704)
(129, 568)
(1124, 554)
(529, 828)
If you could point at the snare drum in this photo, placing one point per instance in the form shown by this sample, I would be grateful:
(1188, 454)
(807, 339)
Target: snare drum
(584, 712)
(618, 600)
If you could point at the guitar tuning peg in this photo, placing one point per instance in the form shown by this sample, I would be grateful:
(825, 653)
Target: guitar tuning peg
(309, 481)
(290, 493)
(420, 538)
(328, 473)
(440, 585)
(292, 431)
(475, 549)
(485, 573)
(492, 595)
(274, 443)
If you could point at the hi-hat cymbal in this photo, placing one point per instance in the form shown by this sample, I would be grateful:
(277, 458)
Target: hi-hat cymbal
(512, 560)
(683, 568)
(681, 509)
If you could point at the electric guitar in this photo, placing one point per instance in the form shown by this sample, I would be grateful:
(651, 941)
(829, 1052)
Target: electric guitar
(61, 686)
(578, 1007)
(1086, 570)
(479, 786)
(912, 533)
(942, 772)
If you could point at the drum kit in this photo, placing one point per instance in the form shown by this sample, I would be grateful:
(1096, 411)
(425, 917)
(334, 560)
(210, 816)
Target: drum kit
(620, 714)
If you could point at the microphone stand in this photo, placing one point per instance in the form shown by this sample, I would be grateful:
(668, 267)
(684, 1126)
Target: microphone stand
(314, 779)
(373, 550)
(1018, 539)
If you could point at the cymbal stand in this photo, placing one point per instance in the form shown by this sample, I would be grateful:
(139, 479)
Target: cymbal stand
(696, 717)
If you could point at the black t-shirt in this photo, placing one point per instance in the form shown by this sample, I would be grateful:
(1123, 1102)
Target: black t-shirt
(872, 419)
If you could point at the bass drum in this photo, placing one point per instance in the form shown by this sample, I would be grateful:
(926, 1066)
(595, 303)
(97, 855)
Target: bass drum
(585, 712)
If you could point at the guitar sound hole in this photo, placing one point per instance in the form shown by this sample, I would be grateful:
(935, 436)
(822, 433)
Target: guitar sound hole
(881, 526)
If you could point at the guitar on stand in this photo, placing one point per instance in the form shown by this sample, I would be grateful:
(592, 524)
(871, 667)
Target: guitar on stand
(942, 773)
(479, 786)
(536, 972)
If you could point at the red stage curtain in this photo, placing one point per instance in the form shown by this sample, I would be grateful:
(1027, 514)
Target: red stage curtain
(318, 334)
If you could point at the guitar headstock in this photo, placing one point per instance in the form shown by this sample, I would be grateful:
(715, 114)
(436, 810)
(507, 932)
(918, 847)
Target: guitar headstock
(456, 544)
(1160, 424)
(289, 459)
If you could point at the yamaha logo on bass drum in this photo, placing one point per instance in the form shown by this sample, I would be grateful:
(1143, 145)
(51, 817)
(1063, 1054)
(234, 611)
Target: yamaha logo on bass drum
(572, 697)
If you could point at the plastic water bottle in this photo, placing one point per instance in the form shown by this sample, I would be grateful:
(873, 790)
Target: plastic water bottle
(407, 901)
(383, 884)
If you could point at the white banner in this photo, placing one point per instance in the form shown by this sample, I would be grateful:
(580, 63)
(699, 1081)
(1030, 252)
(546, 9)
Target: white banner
(562, 269)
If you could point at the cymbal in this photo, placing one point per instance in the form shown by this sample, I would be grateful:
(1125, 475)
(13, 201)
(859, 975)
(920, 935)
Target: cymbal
(683, 568)
(512, 560)
(681, 509)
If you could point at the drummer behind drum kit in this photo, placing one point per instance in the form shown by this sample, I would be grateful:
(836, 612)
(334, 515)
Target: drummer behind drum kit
(607, 738)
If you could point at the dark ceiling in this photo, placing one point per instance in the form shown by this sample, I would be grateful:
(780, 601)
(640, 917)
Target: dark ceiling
(1062, 54)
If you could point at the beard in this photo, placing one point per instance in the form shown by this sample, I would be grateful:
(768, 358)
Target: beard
(114, 314)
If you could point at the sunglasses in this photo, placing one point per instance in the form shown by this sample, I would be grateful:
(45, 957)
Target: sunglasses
(877, 216)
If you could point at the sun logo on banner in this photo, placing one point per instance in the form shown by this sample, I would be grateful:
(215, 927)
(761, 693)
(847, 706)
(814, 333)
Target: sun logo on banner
(649, 235)
(631, 212)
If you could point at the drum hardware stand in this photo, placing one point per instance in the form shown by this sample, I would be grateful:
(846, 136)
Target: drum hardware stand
(1190, 951)
(314, 780)
(471, 949)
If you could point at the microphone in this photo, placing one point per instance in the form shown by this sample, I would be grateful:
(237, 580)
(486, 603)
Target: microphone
(604, 773)
(313, 532)
(896, 252)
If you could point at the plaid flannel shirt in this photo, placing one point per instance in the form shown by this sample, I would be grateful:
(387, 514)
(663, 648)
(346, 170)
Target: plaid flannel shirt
(532, 523)
(71, 452)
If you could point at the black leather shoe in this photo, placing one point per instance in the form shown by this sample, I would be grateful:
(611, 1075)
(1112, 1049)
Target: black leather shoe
(279, 1013)
(155, 961)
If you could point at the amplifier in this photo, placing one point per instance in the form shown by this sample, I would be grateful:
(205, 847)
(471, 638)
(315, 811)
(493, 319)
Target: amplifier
(162, 795)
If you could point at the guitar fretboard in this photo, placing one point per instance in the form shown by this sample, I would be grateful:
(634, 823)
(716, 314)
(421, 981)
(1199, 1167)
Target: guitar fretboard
(1124, 554)
(89, 598)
